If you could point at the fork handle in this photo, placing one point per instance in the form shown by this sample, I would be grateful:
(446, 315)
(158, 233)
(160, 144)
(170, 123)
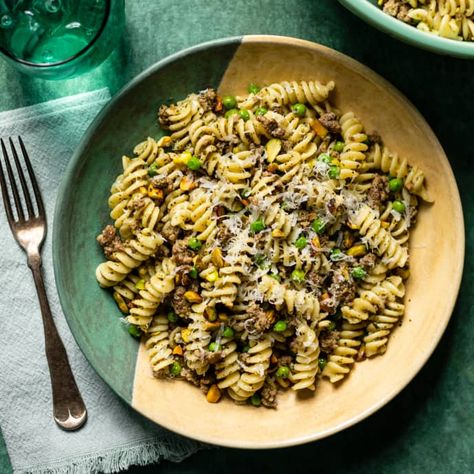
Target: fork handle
(68, 407)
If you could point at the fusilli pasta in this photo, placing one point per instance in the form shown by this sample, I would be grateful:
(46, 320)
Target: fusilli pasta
(452, 19)
(262, 245)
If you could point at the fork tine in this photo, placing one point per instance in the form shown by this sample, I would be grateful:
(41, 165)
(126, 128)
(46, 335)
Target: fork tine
(6, 198)
(26, 192)
(31, 173)
(16, 196)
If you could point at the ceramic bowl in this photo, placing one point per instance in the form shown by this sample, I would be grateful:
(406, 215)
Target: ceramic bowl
(372, 14)
(82, 211)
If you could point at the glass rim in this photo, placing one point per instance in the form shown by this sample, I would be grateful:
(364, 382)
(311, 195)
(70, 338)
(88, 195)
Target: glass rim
(71, 58)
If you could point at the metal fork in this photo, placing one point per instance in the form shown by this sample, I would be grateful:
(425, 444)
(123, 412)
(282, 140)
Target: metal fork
(29, 231)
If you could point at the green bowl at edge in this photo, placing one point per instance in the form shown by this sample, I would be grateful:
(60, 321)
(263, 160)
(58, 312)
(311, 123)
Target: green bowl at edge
(368, 11)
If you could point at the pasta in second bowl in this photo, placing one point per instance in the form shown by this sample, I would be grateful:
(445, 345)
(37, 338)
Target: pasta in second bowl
(441, 26)
(253, 287)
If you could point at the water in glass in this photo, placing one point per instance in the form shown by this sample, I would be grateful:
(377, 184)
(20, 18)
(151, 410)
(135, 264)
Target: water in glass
(49, 31)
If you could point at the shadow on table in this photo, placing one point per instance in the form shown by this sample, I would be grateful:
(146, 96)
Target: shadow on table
(111, 73)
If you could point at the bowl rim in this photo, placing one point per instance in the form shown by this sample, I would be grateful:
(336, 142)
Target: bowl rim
(75, 162)
(373, 15)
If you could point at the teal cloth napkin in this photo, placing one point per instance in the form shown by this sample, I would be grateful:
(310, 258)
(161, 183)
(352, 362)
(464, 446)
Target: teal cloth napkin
(114, 437)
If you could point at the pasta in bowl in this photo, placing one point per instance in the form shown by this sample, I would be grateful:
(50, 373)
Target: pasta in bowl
(452, 19)
(441, 26)
(262, 243)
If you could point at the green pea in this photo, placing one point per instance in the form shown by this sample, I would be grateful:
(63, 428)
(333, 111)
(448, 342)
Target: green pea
(245, 348)
(172, 317)
(153, 170)
(283, 372)
(194, 163)
(214, 347)
(398, 206)
(231, 112)
(395, 184)
(280, 326)
(175, 369)
(244, 114)
(194, 244)
(322, 363)
(298, 276)
(333, 172)
(275, 276)
(261, 111)
(336, 254)
(229, 102)
(338, 146)
(358, 273)
(332, 326)
(257, 226)
(135, 331)
(228, 332)
(255, 400)
(245, 193)
(253, 88)
(318, 225)
(193, 273)
(325, 158)
(299, 109)
(301, 243)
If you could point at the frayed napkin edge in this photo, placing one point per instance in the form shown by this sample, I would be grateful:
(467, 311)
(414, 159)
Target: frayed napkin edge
(141, 453)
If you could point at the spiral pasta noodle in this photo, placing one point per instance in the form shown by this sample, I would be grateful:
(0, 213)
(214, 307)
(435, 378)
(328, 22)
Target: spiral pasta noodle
(155, 291)
(126, 291)
(370, 301)
(379, 238)
(254, 371)
(355, 148)
(343, 357)
(312, 92)
(226, 287)
(305, 367)
(380, 327)
(178, 117)
(228, 369)
(198, 340)
(293, 301)
(138, 250)
(248, 131)
(126, 185)
(157, 345)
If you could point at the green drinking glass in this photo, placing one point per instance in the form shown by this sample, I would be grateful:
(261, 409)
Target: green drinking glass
(59, 39)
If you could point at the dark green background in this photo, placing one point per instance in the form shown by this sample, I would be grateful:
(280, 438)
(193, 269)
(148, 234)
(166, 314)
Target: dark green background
(430, 425)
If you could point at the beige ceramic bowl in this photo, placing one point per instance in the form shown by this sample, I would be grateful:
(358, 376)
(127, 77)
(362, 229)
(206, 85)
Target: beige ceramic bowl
(436, 267)
(437, 253)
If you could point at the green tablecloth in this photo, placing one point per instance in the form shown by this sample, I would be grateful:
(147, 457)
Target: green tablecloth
(430, 425)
